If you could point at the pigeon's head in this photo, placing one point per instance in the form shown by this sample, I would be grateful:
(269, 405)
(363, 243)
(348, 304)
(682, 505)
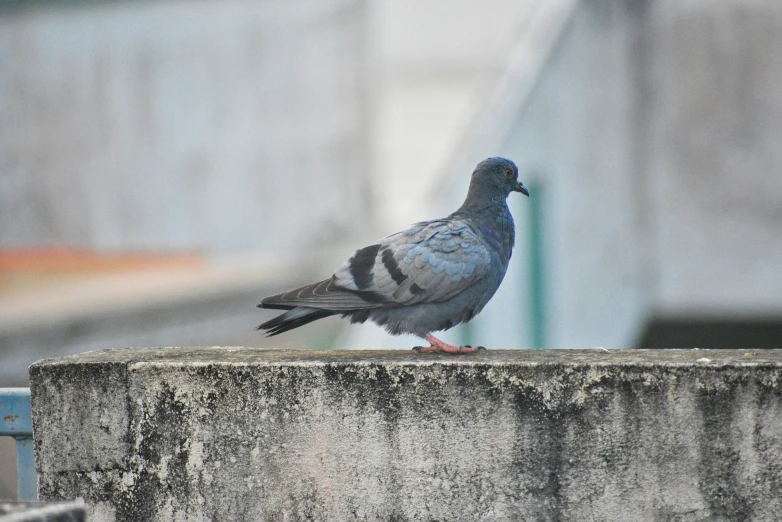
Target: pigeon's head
(497, 175)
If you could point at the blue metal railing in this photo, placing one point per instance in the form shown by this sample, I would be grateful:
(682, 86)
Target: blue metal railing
(16, 420)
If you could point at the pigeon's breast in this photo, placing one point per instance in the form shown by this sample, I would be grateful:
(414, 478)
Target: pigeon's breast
(492, 236)
(497, 230)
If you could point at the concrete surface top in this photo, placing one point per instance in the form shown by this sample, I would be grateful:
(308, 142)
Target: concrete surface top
(261, 357)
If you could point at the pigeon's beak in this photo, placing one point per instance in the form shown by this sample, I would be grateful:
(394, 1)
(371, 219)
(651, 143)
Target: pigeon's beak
(520, 188)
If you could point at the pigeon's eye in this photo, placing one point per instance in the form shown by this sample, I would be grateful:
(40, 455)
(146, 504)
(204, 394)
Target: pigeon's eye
(509, 173)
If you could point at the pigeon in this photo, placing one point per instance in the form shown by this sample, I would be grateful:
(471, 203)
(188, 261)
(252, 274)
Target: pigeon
(428, 278)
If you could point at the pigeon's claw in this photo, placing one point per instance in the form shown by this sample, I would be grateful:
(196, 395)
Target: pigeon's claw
(441, 346)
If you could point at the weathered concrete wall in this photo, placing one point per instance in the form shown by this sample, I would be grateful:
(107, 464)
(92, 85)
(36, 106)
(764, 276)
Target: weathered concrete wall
(244, 434)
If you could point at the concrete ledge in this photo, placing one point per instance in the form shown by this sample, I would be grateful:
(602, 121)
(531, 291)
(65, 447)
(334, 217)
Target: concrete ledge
(247, 434)
(42, 512)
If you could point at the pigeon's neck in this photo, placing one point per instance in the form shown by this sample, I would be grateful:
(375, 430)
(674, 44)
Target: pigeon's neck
(482, 197)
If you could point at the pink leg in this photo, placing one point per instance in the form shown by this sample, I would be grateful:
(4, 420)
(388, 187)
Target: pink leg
(442, 346)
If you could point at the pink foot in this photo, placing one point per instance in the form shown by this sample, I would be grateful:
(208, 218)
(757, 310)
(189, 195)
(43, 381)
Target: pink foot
(441, 346)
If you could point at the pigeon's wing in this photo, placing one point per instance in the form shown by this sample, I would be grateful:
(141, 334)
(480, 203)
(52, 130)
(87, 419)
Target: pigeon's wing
(325, 295)
(428, 263)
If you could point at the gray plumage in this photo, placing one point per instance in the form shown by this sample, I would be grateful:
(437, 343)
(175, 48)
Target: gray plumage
(430, 277)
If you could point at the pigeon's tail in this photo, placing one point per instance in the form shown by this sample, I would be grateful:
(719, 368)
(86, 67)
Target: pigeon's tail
(293, 318)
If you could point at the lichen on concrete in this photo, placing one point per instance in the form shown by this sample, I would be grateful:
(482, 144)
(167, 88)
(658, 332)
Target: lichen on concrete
(248, 434)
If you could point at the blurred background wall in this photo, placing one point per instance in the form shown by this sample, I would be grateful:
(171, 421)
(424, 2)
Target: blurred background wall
(648, 128)
(165, 164)
(178, 126)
